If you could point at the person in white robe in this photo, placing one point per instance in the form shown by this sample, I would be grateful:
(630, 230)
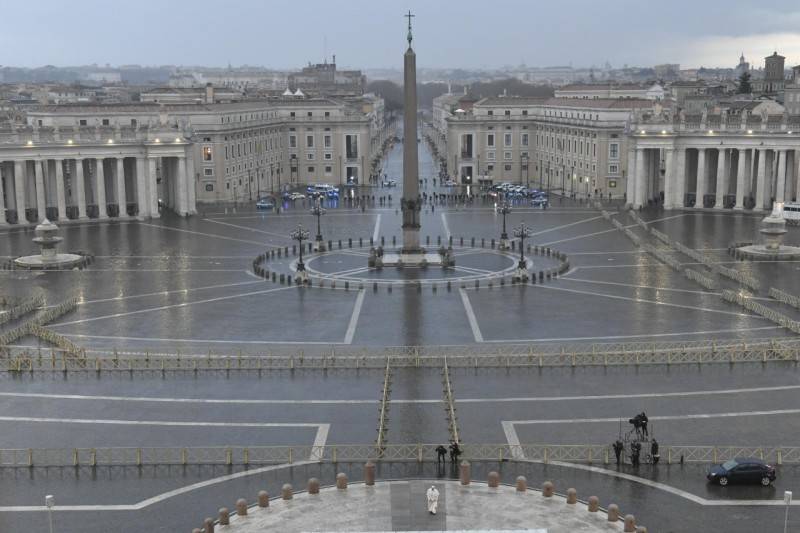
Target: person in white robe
(433, 499)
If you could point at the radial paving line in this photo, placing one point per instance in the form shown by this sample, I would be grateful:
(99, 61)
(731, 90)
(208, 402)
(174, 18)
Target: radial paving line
(248, 228)
(351, 327)
(173, 306)
(376, 232)
(446, 226)
(554, 228)
(162, 293)
(473, 322)
(201, 233)
(383, 411)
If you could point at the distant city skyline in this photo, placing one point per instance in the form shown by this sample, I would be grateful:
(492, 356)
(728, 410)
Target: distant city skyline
(371, 35)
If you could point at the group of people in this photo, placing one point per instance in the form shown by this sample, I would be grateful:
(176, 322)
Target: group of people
(636, 452)
(441, 453)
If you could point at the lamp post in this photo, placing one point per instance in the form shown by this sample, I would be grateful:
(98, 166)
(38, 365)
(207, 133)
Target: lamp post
(300, 234)
(50, 502)
(522, 232)
(317, 210)
(505, 209)
(250, 184)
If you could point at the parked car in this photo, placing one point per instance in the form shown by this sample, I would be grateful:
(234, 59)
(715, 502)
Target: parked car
(296, 196)
(540, 201)
(745, 470)
(449, 183)
(265, 203)
(389, 183)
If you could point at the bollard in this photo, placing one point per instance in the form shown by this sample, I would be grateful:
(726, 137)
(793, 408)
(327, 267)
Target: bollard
(483, 242)
(241, 507)
(288, 279)
(613, 513)
(282, 278)
(208, 525)
(460, 241)
(493, 479)
(394, 240)
(594, 504)
(330, 244)
(286, 492)
(350, 242)
(630, 524)
(341, 481)
(369, 473)
(340, 244)
(360, 242)
(263, 498)
(472, 242)
(313, 486)
(464, 473)
(347, 285)
(522, 484)
(572, 496)
(389, 288)
(439, 240)
(224, 516)
(374, 286)
(547, 489)
(427, 239)
(371, 242)
(449, 285)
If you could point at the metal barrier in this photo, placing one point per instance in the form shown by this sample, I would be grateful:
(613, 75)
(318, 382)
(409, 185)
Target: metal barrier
(383, 418)
(785, 297)
(706, 281)
(28, 305)
(449, 404)
(745, 300)
(33, 327)
(661, 236)
(265, 455)
(467, 356)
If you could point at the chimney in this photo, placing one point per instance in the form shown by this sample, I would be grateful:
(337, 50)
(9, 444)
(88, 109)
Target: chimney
(209, 93)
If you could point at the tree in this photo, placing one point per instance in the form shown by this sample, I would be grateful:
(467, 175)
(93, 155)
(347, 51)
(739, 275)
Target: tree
(744, 84)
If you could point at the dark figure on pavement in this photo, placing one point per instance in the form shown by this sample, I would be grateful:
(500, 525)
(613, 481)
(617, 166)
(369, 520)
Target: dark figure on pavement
(618, 447)
(636, 450)
(441, 454)
(643, 418)
(654, 451)
(455, 451)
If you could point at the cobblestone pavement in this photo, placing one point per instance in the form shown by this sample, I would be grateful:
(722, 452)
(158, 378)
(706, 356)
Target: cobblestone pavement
(186, 285)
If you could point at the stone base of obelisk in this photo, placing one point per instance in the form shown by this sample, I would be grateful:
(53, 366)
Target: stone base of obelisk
(419, 259)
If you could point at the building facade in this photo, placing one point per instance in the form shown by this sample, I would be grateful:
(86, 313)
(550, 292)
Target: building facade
(574, 146)
(74, 162)
(740, 161)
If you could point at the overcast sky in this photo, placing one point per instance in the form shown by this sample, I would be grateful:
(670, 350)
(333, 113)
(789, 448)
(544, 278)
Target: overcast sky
(371, 33)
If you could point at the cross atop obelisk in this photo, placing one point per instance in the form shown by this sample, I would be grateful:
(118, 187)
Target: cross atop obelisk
(409, 17)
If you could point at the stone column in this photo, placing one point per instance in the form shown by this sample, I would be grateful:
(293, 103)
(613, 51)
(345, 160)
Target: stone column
(191, 184)
(41, 203)
(761, 179)
(641, 186)
(740, 180)
(680, 178)
(630, 186)
(19, 190)
(81, 186)
(100, 189)
(122, 201)
(3, 221)
(722, 179)
(152, 187)
(780, 182)
(797, 174)
(669, 178)
(141, 188)
(181, 187)
(61, 199)
(701, 177)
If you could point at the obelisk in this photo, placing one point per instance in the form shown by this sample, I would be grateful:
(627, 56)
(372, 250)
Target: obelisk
(411, 202)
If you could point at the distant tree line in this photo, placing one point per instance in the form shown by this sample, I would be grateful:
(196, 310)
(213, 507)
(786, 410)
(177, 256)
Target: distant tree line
(392, 93)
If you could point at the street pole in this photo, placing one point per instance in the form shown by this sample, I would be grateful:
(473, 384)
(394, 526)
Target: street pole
(50, 502)
(787, 499)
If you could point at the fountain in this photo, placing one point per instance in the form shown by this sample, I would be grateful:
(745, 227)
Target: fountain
(773, 228)
(47, 238)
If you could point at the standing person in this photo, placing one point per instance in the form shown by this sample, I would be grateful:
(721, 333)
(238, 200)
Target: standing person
(654, 451)
(441, 454)
(433, 499)
(455, 451)
(618, 447)
(636, 450)
(643, 418)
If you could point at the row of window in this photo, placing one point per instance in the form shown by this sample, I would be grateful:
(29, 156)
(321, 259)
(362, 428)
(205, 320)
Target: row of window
(507, 140)
(553, 113)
